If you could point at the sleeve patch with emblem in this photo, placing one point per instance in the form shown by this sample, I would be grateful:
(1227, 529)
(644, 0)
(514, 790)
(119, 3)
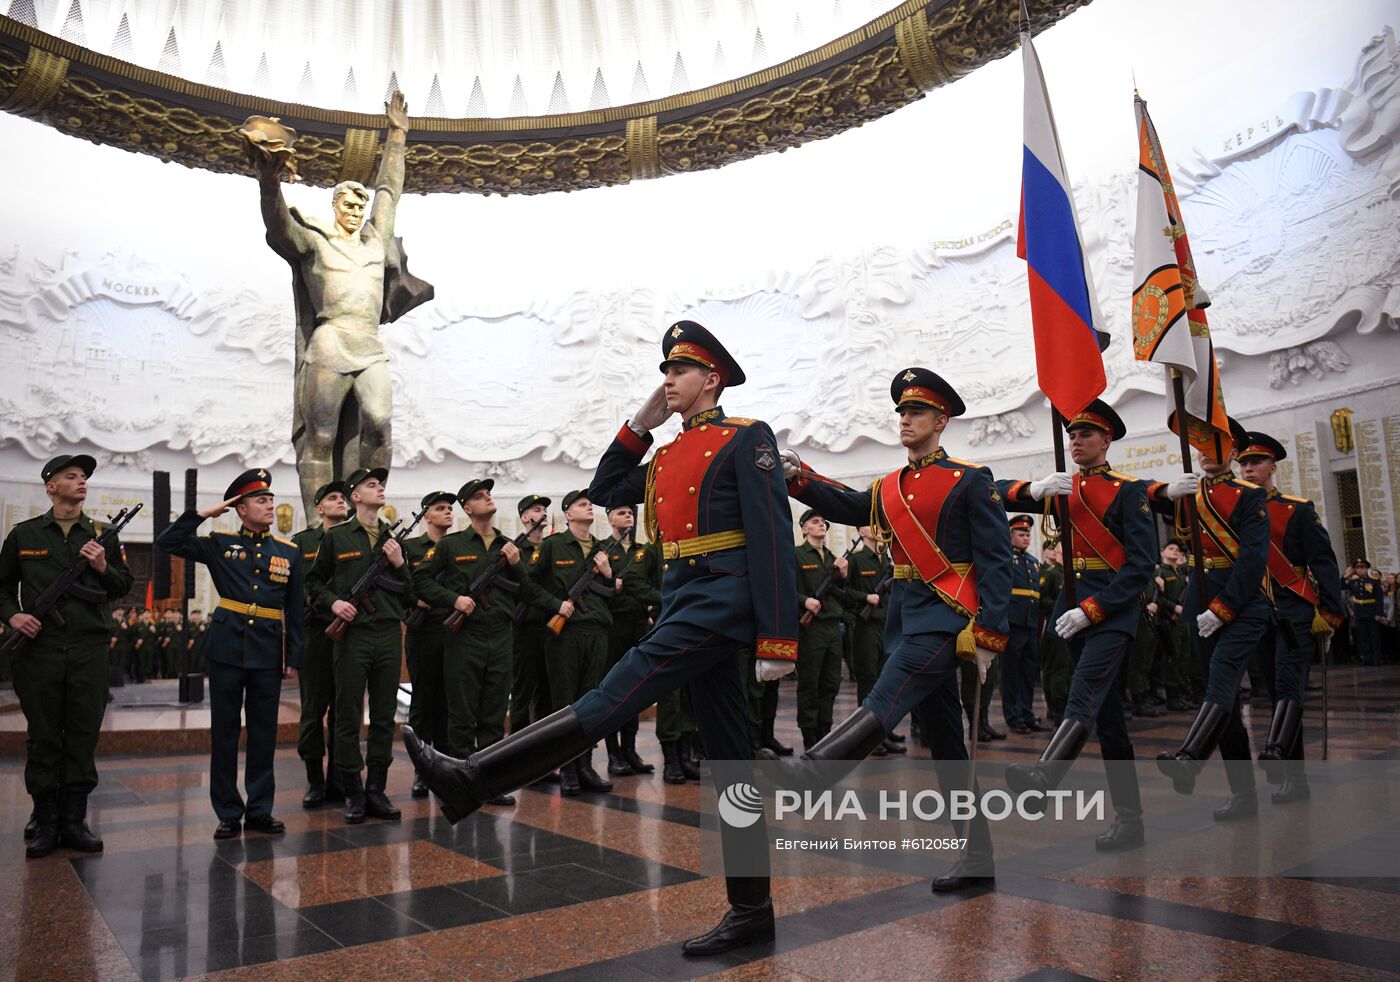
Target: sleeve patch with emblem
(765, 457)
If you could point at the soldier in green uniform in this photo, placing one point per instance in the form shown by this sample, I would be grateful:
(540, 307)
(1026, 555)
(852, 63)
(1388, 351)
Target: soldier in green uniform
(870, 575)
(1055, 664)
(317, 676)
(425, 636)
(818, 644)
(529, 690)
(117, 645)
(638, 598)
(476, 675)
(1166, 607)
(61, 679)
(194, 642)
(1141, 699)
(370, 657)
(147, 645)
(576, 655)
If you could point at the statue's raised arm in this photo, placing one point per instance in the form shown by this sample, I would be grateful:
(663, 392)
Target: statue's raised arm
(389, 184)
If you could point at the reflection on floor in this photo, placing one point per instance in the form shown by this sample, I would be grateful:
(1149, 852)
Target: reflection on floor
(604, 886)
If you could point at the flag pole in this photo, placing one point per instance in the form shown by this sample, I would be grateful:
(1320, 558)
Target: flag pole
(1182, 428)
(1061, 506)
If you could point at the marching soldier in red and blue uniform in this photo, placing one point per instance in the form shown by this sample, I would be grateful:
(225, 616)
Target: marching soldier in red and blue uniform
(944, 522)
(1307, 588)
(715, 502)
(1114, 542)
(1020, 663)
(254, 641)
(1234, 522)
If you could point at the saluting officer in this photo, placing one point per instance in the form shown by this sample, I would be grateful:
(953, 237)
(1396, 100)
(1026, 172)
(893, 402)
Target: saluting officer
(1307, 588)
(1234, 522)
(714, 500)
(316, 677)
(1367, 605)
(369, 657)
(254, 641)
(61, 680)
(425, 638)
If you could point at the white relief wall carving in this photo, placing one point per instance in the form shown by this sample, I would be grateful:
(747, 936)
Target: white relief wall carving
(1294, 228)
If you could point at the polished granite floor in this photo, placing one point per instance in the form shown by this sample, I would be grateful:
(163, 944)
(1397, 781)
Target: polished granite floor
(605, 886)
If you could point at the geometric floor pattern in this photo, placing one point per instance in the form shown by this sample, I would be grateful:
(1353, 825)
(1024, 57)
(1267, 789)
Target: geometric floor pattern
(605, 886)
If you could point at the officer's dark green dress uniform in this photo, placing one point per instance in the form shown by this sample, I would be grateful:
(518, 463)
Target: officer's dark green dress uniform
(368, 659)
(1367, 604)
(424, 647)
(818, 644)
(1020, 663)
(476, 667)
(529, 690)
(1055, 667)
(316, 679)
(61, 678)
(254, 634)
(632, 609)
(576, 656)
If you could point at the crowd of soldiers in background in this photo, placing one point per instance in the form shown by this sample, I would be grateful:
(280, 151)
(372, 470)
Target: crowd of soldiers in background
(147, 645)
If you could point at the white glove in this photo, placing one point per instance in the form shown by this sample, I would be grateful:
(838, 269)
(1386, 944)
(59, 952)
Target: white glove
(652, 413)
(1071, 622)
(772, 669)
(1056, 483)
(1183, 486)
(792, 464)
(1207, 623)
(985, 657)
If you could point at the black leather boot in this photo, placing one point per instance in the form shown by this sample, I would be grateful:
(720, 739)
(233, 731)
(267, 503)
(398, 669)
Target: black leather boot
(690, 763)
(354, 797)
(419, 789)
(1282, 738)
(588, 778)
(377, 803)
(671, 771)
(1045, 774)
(771, 742)
(1294, 788)
(73, 830)
(974, 869)
(859, 734)
(1126, 832)
(809, 738)
(32, 825)
(617, 765)
(1185, 763)
(634, 759)
(521, 758)
(315, 795)
(568, 778)
(749, 919)
(45, 837)
(1237, 806)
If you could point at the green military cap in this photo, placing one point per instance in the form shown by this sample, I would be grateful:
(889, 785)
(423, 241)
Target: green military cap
(63, 461)
(364, 474)
(616, 507)
(808, 515)
(433, 497)
(334, 487)
(530, 501)
(465, 492)
(572, 497)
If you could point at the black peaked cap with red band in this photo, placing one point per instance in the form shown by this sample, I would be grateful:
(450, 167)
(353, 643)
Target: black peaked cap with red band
(1258, 444)
(1101, 416)
(921, 387)
(690, 343)
(249, 483)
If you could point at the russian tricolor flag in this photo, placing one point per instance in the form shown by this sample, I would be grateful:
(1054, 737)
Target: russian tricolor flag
(1064, 308)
